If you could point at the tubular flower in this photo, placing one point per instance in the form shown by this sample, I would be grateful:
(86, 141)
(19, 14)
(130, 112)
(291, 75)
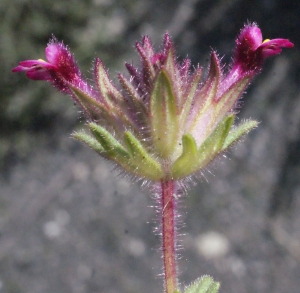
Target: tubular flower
(164, 122)
(251, 50)
(60, 67)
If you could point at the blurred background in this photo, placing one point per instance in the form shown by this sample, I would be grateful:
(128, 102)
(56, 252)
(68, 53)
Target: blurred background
(69, 224)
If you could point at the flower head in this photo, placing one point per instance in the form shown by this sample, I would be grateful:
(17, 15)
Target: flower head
(59, 69)
(163, 122)
(251, 50)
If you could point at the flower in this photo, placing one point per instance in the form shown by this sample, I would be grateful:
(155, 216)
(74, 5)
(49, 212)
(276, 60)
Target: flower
(59, 69)
(164, 122)
(251, 51)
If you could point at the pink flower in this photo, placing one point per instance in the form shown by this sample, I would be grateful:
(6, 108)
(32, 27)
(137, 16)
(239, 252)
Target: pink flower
(249, 55)
(59, 69)
(251, 51)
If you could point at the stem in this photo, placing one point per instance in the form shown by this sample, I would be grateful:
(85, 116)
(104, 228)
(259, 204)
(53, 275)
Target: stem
(169, 235)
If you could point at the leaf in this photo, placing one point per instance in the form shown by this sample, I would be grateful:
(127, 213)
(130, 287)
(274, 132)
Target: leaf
(89, 140)
(226, 102)
(109, 93)
(169, 63)
(188, 96)
(141, 158)
(134, 99)
(148, 70)
(204, 98)
(205, 284)
(210, 86)
(111, 146)
(193, 159)
(164, 119)
(214, 143)
(96, 110)
(188, 157)
(189, 162)
(92, 107)
(134, 76)
(238, 132)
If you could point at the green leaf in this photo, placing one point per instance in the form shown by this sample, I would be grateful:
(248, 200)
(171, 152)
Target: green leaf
(214, 288)
(111, 146)
(89, 140)
(189, 162)
(205, 284)
(238, 132)
(164, 119)
(188, 157)
(213, 145)
(143, 163)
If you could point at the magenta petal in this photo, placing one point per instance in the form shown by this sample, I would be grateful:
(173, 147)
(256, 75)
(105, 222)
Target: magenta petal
(274, 47)
(283, 43)
(39, 74)
(250, 37)
(31, 63)
(27, 65)
(53, 51)
(19, 68)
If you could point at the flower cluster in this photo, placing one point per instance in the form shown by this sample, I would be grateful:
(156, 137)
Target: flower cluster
(164, 122)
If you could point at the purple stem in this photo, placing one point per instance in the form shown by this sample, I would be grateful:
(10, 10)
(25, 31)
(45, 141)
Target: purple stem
(169, 235)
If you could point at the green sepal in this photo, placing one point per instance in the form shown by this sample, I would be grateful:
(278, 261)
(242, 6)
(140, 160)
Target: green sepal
(214, 143)
(205, 96)
(238, 132)
(148, 69)
(134, 99)
(169, 63)
(144, 164)
(188, 157)
(205, 284)
(189, 94)
(89, 140)
(93, 108)
(208, 150)
(97, 110)
(110, 145)
(164, 119)
(109, 93)
(211, 85)
(227, 100)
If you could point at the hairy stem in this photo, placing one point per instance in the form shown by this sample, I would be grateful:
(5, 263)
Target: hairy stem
(169, 235)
